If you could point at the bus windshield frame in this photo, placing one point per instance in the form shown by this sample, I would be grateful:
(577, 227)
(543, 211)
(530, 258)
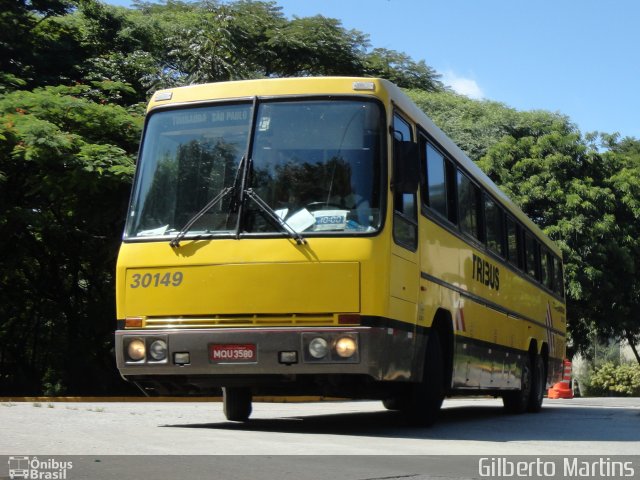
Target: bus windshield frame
(318, 163)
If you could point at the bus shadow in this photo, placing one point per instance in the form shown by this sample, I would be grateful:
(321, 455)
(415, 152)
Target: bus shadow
(488, 423)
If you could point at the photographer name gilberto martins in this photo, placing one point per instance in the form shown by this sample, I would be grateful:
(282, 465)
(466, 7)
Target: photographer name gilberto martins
(569, 467)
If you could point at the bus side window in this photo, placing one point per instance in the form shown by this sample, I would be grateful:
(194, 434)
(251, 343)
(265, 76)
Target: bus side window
(494, 223)
(558, 277)
(513, 242)
(546, 262)
(405, 222)
(435, 195)
(468, 205)
(452, 204)
(531, 255)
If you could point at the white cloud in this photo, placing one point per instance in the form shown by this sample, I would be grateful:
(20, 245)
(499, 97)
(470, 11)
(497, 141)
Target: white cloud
(464, 86)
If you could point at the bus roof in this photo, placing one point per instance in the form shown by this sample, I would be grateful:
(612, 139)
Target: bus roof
(379, 88)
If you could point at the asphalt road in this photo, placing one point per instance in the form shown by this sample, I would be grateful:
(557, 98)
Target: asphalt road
(478, 427)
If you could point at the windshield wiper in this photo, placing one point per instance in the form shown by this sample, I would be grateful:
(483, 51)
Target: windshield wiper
(212, 203)
(300, 240)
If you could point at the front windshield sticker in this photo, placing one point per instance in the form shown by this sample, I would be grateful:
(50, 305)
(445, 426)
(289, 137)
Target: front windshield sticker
(301, 220)
(315, 164)
(153, 232)
(330, 219)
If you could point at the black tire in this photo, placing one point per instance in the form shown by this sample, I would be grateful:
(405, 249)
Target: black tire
(538, 385)
(237, 403)
(392, 403)
(518, 401)
(425, 398)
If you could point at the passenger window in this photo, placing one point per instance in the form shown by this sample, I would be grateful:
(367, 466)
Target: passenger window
(436, 196)
(401, 129)
(531, 255)
(450, 174)
(512, 242)
(546, 264)
(494, 220)
(405, 222)
(468, 205)
(558, 277)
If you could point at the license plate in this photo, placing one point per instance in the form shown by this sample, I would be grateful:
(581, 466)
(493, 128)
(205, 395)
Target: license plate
(232, 353)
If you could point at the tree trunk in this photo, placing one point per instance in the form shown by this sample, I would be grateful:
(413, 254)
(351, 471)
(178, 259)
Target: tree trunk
(632, 344)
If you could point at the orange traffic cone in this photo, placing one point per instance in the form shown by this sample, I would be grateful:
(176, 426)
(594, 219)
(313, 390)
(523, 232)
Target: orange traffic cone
(562, 389)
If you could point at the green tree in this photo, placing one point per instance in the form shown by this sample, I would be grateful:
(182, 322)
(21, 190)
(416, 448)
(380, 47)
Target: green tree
(620, 317)
(317, 46)
(37, 49)
(65, 169)
(178, 43)
(577, 195)
(254, 25)
(474, 125)
(401, 69)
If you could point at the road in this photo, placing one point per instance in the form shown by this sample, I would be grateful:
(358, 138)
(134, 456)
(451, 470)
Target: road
(479, 427)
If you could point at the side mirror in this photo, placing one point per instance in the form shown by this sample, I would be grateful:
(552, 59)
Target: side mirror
(406, 167)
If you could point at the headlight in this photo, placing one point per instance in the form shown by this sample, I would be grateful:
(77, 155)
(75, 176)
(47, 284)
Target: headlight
(318, 347)
(158, 350)
(136, 350)
(346, 347)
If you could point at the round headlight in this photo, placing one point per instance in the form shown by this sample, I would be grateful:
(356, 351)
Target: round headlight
(136, 350)
(158, 350)
(346, 347)
(318, 347)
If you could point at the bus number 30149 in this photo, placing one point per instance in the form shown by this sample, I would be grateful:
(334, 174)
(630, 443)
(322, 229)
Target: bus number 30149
(147, 280)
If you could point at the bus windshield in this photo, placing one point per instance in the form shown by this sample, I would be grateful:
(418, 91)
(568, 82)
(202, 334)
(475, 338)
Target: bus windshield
(316, 163)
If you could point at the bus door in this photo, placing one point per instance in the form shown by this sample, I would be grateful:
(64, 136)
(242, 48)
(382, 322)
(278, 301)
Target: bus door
(404, 268)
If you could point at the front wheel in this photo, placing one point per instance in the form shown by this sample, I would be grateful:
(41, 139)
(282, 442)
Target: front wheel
(237, 403)
(425, 399)
(392, 403)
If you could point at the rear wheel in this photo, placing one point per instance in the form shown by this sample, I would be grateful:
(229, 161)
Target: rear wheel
(518, 401)
(538, 385)
(425, 398)
(237, 403)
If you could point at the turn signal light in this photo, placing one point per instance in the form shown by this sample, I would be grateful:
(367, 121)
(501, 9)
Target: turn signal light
(348, 319)
(133, 322)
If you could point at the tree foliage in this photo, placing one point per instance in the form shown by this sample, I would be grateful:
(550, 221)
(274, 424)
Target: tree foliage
(576, 193)
(615, 380)
(64, 176)
(402, 70)
(177, 43)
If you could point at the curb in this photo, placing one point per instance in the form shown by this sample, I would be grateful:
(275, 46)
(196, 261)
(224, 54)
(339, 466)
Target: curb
(87, 399)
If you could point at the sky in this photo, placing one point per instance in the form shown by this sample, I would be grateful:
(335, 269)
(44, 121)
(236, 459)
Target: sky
(577, 57)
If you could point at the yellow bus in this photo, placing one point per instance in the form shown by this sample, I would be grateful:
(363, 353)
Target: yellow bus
(321, 236)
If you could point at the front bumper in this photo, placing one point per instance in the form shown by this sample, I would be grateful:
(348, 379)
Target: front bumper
(269, 342)
(373, 360)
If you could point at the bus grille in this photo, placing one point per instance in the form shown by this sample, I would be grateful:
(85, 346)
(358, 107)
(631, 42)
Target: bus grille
(240, 321)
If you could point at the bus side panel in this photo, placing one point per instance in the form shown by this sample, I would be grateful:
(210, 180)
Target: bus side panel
(482, 360)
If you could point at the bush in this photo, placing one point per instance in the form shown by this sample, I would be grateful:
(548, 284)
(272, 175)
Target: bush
(620, 380)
